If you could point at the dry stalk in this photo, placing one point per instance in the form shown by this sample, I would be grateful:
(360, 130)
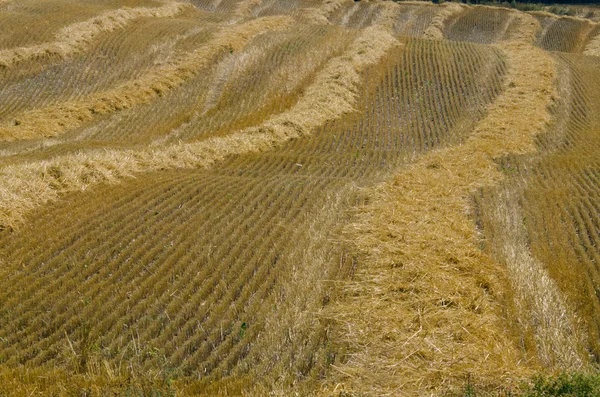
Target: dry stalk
(321, 15)
(388, 15)
(244, 7)
(299, 305)
(332, 94)
(349, 14)
(54, 120)
(436, 29)
(76, 37)
(548, 14)
(544, 312)
(593, 47)
(427, 308)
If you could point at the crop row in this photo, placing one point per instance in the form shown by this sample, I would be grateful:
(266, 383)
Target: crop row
(132, 51)
(211, 103)
(559, 192)
(566, 236)
(187, 267)
(30, 22)
(54, 120)
(483, 25)
(565, 34)
(242, 90)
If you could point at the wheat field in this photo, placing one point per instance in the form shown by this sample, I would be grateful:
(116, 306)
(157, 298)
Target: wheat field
(299, 197)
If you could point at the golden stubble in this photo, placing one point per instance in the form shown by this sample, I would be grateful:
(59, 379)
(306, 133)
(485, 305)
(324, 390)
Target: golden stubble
(332, 94)
(593, 47)
(56, 119)
(244, 8)
(320, 15)
(436, 29)
(76, 37)
(428, 309)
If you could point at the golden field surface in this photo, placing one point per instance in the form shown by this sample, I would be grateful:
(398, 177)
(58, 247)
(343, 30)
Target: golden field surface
(296, 197)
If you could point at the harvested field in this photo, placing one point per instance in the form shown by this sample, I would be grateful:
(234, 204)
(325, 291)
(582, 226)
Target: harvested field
(484, 25)
(233, 197)
(565, 34)
(553, 193)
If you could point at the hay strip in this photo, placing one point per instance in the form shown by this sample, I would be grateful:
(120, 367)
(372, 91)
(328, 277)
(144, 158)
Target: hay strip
(320, 15)
(54, 120)
(388, 15)
(544, 311)
(333, 93)
(243, 9)
(425, 310)
(436, 29)
(593, 47)
(76, 37)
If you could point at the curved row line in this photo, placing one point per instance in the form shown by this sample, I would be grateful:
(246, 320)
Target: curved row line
(204, 235)
(25, 23)
(423, 270)
(135, 50)
(593, 46)
(565, 237)
(74, 38)
(54, 120)
(329, 97)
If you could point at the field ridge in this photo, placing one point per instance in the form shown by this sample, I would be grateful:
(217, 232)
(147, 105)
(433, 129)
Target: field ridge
(299, 197)
(74, 38)
(331, 95)
(423, 268)
(55, 119)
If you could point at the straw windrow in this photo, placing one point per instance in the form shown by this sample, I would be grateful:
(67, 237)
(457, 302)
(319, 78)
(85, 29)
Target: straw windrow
(593, 47)
(435, 29)
(543, 311)
(427, 307)
(54, 120)
(321, 15)
(388, 15)
(76, 37)
(331, 95)
(244, 7)
(217, 256)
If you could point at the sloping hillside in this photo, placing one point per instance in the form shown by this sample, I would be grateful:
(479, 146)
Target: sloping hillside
(246, 197)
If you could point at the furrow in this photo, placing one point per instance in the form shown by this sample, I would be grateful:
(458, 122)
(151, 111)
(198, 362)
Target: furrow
(132, 52)
(74, 38)
(329, 97)
(54, 120)
(418, 221)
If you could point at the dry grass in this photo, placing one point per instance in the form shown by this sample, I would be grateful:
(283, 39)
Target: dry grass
(593, 47)
(298, 320)
(435, 29)
(334, 91)
(428, 307)
(552, 192)
(554, 16)
(331, 95)
(75, 38)
(244, 7)
(388, 15)
(57, 382)
(54, 120)
(321, 14)
(544, 313)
